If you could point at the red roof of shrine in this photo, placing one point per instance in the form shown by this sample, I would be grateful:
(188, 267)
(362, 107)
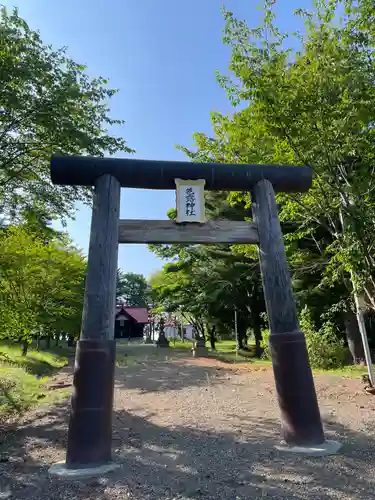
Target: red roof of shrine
(139, 314)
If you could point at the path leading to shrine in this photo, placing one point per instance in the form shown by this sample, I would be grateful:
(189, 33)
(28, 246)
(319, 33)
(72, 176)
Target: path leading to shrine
(198, 429)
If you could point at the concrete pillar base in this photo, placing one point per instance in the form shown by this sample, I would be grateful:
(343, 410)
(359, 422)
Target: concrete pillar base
(61, 470)
(319, 450)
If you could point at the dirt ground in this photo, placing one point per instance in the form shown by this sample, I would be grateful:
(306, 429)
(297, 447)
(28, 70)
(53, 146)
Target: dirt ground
(198, 429)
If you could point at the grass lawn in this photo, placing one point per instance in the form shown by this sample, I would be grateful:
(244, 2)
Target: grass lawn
(38, 363)
(23, 378)
(225, 351)
(351, 371)
(225, 346)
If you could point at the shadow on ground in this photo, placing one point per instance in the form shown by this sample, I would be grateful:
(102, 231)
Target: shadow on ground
(178, 463)
(143, 368)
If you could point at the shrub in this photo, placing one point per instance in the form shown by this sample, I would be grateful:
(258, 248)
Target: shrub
(325, 350)
(265, 344)
(19, 391)
(23, 379)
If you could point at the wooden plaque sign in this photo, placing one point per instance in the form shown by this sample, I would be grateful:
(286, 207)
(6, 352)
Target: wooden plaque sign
(190, 200)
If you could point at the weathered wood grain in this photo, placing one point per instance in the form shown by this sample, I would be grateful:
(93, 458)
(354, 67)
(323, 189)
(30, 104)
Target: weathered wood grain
(100, 291)
(167, 231)
(152, 174)
(281, 308)
(300, 417)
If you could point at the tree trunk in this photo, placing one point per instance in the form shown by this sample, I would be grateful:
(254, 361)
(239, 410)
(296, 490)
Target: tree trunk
(25, 347)
(240, 338)
(258, 337)
(353, 336)
(200, 334)
(48, 342)
(57, 339)
(38, 342)
(212, 337)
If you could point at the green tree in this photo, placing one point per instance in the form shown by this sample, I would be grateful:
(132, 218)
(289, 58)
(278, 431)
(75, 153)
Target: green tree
(210, 282)
(20, 275)
(206, 285)
(41, 286)
(60, 299)
(132, 288)
(48, 105)
(316, 106)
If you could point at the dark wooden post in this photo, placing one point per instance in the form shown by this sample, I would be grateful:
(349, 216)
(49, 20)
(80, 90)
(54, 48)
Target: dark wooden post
(90, 427)
(300, 415)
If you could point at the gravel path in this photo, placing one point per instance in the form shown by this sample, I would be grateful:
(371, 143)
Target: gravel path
(199, 429)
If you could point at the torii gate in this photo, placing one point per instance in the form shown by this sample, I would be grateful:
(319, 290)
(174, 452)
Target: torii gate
(90, 427)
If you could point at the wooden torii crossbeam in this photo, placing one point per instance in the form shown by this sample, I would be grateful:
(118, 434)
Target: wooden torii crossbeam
(89, 437)
(153, 174)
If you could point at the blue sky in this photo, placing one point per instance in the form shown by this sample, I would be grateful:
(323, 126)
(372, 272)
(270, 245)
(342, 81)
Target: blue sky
(162, 55)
